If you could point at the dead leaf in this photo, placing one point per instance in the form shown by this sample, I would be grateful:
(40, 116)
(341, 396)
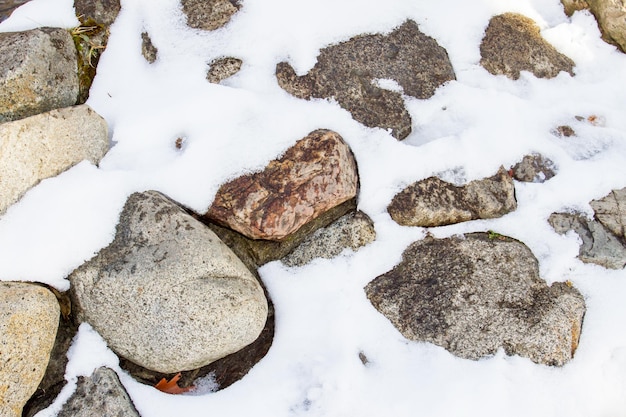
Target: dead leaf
(171, 386)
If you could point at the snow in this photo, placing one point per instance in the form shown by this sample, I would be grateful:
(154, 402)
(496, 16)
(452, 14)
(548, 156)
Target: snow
(324, 321)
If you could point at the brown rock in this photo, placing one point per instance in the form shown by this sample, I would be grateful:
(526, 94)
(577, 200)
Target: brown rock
(316, 174)
(513, 43)
(148, 50)
(222, 68)
(209, 14)
(534, 168)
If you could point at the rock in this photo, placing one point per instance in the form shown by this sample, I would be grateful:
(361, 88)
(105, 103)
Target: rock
(316, 174)
(101, 12)
(7, 7)
(564, 131)
(534, 168)
(348, 71)
(610, 15)
(353, 231)
(148, 50)
(434, 202)
(223, 68)
(167, 294)
(476, 293)
(513, 43)
(611, 212)
(37, 72)
(29, 317)
(101, 394)
(209, 14)
(571, 6)
(45, 145)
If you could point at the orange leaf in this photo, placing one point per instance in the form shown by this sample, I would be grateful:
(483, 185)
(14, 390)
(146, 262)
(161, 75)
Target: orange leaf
(171, 386)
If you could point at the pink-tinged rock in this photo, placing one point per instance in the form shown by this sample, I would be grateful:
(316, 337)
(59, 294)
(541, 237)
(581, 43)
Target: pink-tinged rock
(316, 174)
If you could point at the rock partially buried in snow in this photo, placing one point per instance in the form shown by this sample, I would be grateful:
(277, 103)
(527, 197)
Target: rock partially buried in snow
(37, 72)
(348, 73)
(610, 14)
(434, 202)
(513, 43)
(313, 176)
(167, 294)
(45, 145)
(223, 68)
(29, 317)
(534, 168)
(611, 212)
(476, 293)
(209, 14)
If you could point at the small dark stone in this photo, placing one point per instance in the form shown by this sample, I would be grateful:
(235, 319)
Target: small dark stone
(148, 50)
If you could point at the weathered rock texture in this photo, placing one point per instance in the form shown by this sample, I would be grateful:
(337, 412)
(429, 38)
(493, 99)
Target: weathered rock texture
(45, 145)
(313, 176)
(101, 394)
(513, 43)
(37, 72)
(474, 294)
(29, 317)
(353, 231)
(611, 212)
(167, 294)
(534, 168)
(610, 14)
(148, 50)
(223, 68)
(209, 14)
(571, 6)
(347, 72)
(434, 202)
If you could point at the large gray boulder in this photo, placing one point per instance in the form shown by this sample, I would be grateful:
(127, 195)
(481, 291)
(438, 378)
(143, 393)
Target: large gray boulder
(45, 145)
(434, 202)
(476, 293)
(348, 73)
(29, 318)
(167, 294)
(513, 43)
(37, 72)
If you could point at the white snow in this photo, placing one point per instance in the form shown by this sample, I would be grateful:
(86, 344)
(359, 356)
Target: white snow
(324, 321)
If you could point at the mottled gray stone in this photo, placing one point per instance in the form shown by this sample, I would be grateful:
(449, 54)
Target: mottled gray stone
(37, 72)
(209, 14)
(223, 68)
(347, 72)
(476, 293)
(101, 12)
(148, 50)
(534, 168)
(101, 394)
(434, 202)
(513, 43)
(45, 145)
(611, 212)
(352, 230)
(167, 293)
(29, 318)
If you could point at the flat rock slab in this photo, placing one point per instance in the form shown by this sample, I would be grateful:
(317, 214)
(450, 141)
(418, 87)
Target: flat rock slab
(38, 72)
(434, 202)
(167, 294)
(476, 293)
(209, 14)
(313, 176)
(513, 43)
(45, 145)
(610, 210)
(348, 73)
(29, 318)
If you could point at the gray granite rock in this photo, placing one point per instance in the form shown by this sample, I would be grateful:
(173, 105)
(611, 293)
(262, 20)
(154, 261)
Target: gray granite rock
(611, 212)
(476, 293)
(167, 294)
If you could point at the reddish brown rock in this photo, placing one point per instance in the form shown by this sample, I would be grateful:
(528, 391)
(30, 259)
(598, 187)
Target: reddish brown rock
(316, 174)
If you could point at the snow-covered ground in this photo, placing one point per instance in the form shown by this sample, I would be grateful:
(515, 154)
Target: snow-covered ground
(323, 318)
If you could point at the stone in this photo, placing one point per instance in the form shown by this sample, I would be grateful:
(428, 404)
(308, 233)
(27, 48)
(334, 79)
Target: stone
(352, 230)
(477, 293)
(148, 50)
(29, 317)
(167, 294)
(534, 168)
(37, 72)
(8, 6)
(513, 43)
(571, 6)
(434, 202)
(348, 71)
(45, 145)
(610, 15)
(101, 394)
(101, 12)
(313, 176)
(611, 212)
(209, 14)
(223, 68)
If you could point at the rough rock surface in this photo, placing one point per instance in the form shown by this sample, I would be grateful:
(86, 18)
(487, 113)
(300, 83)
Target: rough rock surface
(611, 212)
(475, 293)
(434, 202)
(209, 14)
(353, 231)
(37, 72)
(45, 145)
(347, 72)
(513, 43)
(102, 12)
(29, 317)
(101, 394)
(571, 6)
(148, 50)
(167, 294)
(534, 168)
(610, 14)
(316, 174)
(222, 68)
